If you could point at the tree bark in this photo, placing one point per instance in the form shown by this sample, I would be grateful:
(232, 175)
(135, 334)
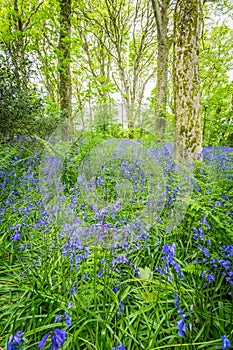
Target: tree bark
(187, 105)
(161, 16)
(65, 91)
(161, 89)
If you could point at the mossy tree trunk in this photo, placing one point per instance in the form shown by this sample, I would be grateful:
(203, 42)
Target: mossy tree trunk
(187, 105)
(161, 16)
(65, 92)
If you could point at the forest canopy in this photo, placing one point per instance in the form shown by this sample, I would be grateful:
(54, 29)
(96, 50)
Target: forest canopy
(65, 59)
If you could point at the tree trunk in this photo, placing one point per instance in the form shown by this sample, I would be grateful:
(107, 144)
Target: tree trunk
(161, 89)
(161, 16)
(187, 105)
(65, 92)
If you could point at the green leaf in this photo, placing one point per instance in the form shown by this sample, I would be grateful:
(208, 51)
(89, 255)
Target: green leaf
(146, 273)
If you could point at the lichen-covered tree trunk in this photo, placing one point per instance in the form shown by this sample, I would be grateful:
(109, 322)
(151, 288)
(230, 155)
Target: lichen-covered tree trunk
(65, 92)
(161, 16)
(161, 89)
(187, 105)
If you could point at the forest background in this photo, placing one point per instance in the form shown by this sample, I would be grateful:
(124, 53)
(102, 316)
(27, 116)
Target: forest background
(114, 58)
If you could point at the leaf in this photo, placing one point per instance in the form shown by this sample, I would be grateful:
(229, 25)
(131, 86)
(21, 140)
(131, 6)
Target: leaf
(193, 268)
(146, 273)
(148, 296)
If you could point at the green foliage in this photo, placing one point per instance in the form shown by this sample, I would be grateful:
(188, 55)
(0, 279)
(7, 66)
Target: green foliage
(23, 111)
(216, 60)
(18, 105)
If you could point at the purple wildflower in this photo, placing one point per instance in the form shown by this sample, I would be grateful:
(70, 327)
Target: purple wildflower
(209, 277)
(99, 181)
(119, 347)
(226, 264)
(205, 222)
(14, 340)
(204, 250)
(181, 324)
(65, 317)
(228, 250)
(176, 300)
(196, 233)
(99, 274)
(225, 342)
(122, 259)
(182, 328)
(169, 252)
(58, 337)
(115, 289)
(70, 305)
(121, 307)
(16, 236)
(41, 344)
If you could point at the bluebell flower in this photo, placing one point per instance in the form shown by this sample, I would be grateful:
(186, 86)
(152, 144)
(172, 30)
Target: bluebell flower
(201, 235)
(230, 280)
(15, 236)
(204, 250)
(176, 300)
(225, 342)
(169, 252)
(208, 276)
(14, 340)
(58, 337)
(135, 270)
(72, 291)
(99, 274)
(177, 269)
(121, 307)
(70, 305)
(228, 250)
(205, 222)
(182, 328)
(226, 264)
(122, 259)
(115, 289)
(181, 324)
(86, 252)
(24, 246)
(99, 181)
(41, 344)
(119, 347)
(196, 233)
(65, 317)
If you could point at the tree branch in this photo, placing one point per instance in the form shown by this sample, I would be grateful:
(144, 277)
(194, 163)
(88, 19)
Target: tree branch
(27, 22)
